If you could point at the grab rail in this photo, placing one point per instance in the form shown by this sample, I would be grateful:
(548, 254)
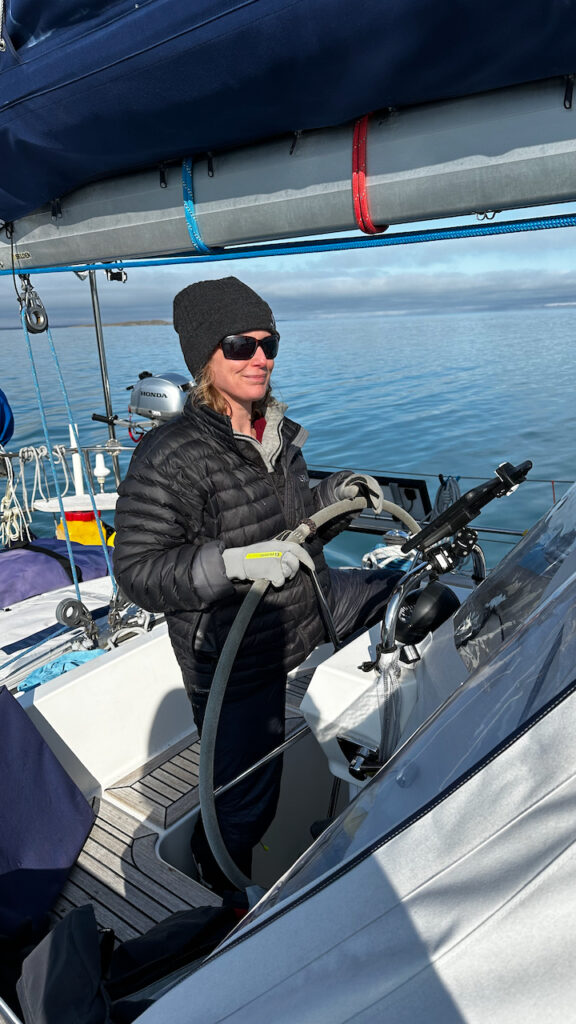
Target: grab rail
(298, 735)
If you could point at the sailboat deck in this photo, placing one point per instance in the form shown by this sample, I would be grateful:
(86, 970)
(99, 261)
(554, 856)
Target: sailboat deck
(165, 789)
(118, 870)
(130, 888)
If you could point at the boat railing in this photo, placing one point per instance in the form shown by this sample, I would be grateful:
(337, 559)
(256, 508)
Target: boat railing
(30, 489)
(505, 525)
(556, 486)
(28, 477)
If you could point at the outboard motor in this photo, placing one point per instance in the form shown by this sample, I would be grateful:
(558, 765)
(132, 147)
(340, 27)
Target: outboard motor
(159, 397)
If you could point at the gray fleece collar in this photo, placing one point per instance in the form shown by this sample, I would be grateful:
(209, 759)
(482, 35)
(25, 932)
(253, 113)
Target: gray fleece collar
(271, 444)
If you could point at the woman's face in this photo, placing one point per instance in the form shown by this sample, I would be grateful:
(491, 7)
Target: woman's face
(242, 381)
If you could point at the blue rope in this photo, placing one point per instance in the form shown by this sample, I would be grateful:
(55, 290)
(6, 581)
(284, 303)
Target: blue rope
(50, 455)
(188, 197)
(323, 245)
(84, 473)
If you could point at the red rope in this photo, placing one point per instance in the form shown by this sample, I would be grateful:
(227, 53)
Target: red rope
(136, 432)
(359, 180)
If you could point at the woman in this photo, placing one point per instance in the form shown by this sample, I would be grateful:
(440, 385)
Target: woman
(203, 497)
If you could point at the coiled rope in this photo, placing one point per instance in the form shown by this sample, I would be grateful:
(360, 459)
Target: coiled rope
(14, 519)
(446, 495)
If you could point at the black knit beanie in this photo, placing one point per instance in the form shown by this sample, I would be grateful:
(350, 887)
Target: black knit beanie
(207, 311)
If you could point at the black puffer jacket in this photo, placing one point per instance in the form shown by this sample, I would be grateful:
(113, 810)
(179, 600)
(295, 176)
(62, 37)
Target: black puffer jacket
(194, 488)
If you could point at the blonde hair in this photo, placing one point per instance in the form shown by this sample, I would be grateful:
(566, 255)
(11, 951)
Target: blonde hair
(206, 393)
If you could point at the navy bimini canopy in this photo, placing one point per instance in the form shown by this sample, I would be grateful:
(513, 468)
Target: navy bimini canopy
(93, 90)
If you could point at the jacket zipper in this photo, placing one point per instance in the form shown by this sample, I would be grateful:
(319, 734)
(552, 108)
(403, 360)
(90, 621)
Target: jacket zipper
(290, 492)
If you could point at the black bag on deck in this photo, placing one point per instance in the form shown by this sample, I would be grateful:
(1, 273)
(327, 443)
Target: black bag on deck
(61, 978)
(73, 977)
(178, 940)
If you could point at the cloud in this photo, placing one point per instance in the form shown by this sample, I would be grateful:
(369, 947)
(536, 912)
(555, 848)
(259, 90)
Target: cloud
(500, 272)
(417, 292)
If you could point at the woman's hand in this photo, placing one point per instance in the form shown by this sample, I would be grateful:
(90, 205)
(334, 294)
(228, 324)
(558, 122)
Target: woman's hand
(274, 560)
(360, 484)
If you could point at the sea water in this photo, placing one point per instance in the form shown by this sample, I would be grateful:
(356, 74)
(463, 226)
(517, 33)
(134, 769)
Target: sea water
(419, 395)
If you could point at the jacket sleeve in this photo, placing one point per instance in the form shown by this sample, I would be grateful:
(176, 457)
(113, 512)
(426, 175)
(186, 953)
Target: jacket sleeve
(163, 560)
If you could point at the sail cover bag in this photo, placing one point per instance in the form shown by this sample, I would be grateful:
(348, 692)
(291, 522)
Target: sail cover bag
(30, 569)
(44, 820)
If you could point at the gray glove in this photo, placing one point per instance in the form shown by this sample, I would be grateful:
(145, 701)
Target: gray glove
(274, 560)
(359, 484)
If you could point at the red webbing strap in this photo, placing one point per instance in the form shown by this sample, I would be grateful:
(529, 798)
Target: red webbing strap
(359, 188)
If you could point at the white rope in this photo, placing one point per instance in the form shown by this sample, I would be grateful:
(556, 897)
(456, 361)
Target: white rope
(13, 518)
(40, 475)
(20, 487)
(17, 505)
(59, 452)
(35, 456)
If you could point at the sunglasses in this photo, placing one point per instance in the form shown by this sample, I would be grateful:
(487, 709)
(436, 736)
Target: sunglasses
(242, 346)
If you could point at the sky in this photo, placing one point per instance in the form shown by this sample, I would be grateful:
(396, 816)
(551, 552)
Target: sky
(512, 271)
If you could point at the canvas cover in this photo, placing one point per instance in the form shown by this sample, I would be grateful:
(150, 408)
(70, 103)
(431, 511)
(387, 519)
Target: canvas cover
(44, 820)
(93, 90)
(445, 891)
(30, 569)
(466, 915)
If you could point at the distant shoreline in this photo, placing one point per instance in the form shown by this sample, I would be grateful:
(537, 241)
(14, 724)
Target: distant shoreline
(129, 323)
(116, 323)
